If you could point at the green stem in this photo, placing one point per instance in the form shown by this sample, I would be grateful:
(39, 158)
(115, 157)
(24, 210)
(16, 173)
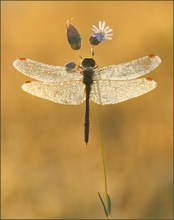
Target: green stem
(102, 152)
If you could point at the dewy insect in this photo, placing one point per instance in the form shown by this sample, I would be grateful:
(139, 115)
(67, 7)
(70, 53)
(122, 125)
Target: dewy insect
(73, 84)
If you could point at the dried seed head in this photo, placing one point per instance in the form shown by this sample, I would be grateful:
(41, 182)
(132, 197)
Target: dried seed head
(73, 36)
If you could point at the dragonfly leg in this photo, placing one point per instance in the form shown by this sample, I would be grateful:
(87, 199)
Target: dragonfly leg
(80, 56)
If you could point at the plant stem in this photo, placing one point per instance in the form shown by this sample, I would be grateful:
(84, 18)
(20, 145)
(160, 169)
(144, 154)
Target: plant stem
(102, 151)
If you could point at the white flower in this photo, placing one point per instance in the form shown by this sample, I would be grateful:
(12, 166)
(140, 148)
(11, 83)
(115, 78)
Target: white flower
(104, 32)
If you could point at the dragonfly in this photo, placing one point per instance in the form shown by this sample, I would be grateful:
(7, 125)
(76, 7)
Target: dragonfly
(82, 83)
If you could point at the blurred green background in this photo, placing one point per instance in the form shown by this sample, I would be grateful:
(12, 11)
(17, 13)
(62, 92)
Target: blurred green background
(47, 171)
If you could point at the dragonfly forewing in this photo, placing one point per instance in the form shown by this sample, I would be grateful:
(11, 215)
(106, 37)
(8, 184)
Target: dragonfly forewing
(71, 92)
(111, 92)
(130, 70)
(45, 72)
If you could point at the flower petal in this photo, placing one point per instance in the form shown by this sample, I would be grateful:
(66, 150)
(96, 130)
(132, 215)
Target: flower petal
(94, 28)
(100, 25)
(106, 28)
(108, 38)
(109, 34)
(108, 31)
(103, 26)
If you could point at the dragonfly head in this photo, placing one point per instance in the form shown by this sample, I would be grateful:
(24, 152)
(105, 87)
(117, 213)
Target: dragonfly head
(88, 62)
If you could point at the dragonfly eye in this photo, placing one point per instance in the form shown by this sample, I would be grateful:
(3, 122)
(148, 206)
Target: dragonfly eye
(88, 62)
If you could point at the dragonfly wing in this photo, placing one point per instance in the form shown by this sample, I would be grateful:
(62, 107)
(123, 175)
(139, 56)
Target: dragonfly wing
(44, 72)
(64, 93)
(112, 92)
(130, 70)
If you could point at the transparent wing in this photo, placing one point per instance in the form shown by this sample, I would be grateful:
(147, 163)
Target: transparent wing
(64, 93)
(44, 72)
(112, 92)
(130, 70)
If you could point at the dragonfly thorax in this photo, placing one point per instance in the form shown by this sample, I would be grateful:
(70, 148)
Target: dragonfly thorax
(88, 76)
(88, 65)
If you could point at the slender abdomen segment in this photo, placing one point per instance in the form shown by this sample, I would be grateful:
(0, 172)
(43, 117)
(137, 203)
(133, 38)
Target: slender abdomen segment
(87, 80)
(86, 125)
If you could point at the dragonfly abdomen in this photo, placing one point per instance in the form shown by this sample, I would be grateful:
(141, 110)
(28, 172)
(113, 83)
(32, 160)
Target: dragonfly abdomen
(86, 124)
(87, 80)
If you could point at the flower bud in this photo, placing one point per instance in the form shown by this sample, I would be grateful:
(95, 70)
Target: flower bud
(70, 65)
(95, 39)
(73, 36)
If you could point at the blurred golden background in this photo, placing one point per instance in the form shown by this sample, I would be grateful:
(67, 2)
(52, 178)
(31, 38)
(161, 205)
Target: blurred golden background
(47, 171)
